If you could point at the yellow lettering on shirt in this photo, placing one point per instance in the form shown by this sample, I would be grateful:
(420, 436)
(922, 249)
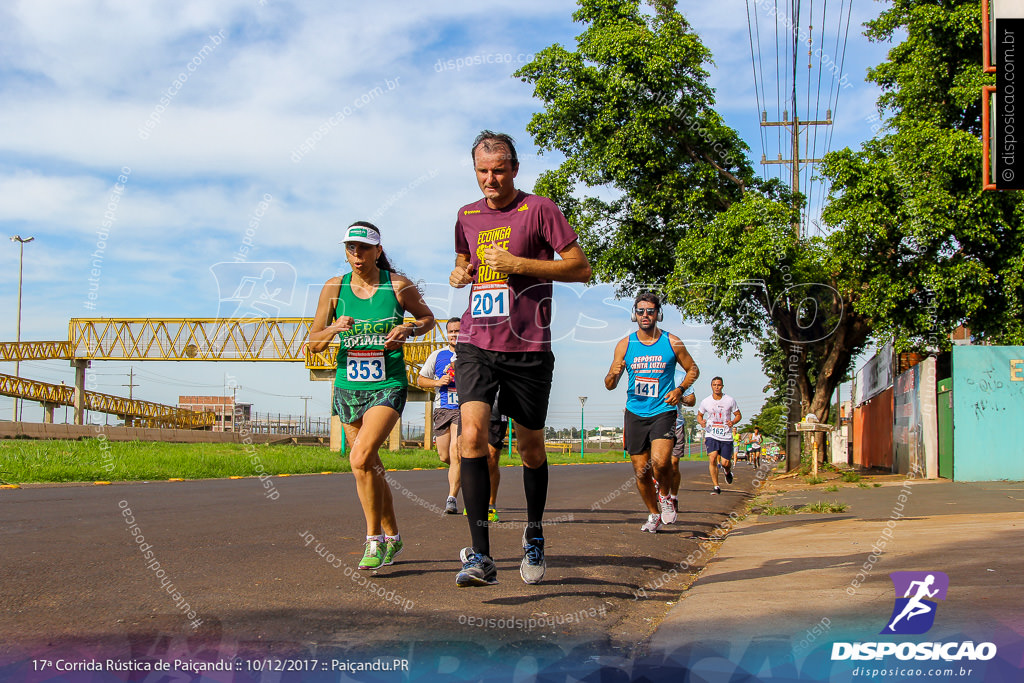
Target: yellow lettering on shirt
(494, 235)
(499, 237)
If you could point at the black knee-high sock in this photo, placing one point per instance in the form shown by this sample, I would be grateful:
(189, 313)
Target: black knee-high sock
(476, 491)
(535, 485)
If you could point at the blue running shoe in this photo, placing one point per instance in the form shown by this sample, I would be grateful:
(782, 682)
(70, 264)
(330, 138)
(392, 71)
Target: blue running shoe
(477, 570)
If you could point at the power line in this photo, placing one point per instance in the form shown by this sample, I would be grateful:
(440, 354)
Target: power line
(757, 95)
(778, 78)
(838, 80)
(813, 29)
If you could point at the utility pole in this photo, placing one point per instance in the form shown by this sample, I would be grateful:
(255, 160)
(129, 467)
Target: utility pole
(305, 413)
(583, 437)
(131, 382)
(795, 411)
(796, 161)
(22, 241)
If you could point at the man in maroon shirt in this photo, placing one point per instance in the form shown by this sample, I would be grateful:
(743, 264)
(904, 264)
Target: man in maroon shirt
(505, 246)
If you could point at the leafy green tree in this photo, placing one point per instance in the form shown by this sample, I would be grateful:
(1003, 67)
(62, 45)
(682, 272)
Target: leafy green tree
(676, 205)
(771, 420)
(670, 201)
(690, 423)
(941, 251)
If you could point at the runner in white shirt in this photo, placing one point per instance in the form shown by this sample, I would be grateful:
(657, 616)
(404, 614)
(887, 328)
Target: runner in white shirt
(754, 449)
(717, 414)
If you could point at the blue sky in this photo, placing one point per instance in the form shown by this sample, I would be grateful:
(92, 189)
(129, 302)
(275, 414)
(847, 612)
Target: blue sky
(292, 120)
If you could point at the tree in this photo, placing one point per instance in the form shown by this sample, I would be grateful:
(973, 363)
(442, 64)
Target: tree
(680, 209)
(944, 251)
(674, 205)
(689, 423)
(771, 420)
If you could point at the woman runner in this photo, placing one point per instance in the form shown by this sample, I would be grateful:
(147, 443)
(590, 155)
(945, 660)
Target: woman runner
(365, 308)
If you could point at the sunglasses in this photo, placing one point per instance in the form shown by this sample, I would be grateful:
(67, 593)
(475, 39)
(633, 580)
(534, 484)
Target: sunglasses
(646, 311)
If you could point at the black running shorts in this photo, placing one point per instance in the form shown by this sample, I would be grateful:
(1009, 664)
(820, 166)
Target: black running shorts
(524, 379)
(496, 435)
(641, 431)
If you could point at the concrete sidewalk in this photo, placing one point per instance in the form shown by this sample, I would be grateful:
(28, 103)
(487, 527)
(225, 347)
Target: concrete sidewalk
(792, 585)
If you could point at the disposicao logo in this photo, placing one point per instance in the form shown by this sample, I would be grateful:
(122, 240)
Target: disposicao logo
(913, 613)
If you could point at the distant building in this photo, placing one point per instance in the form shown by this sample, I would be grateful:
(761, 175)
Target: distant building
(227, 412)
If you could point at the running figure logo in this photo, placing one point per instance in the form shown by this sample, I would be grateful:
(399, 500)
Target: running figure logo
(914, 613)
(253, 290)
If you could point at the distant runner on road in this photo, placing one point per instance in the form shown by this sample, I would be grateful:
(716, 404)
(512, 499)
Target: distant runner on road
(754, 447)
(495, 443)
(688, 400)
(649, 357)
(438, 372)
(718, 414)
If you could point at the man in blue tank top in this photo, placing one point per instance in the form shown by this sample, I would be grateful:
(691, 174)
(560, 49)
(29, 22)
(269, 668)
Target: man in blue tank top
(649, 357)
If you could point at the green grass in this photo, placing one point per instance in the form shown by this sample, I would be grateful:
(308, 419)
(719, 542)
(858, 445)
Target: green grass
(850, 477)
(815, 480)
(876, 484)
(863, 485)
(832, 488)
(29, 461)
(757, 502)
(777, 510)
(825, 506)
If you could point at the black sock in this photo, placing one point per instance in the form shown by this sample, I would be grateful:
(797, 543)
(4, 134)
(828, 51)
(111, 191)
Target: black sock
(535, 485)
(476, 491)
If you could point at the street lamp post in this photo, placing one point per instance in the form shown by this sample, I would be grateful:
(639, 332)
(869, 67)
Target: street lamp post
(21, 258)
(583, 437)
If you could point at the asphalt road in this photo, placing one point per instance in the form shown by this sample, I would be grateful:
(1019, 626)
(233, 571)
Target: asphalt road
(271, 571)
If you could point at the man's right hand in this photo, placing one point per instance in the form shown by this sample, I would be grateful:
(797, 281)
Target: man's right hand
(461, 276)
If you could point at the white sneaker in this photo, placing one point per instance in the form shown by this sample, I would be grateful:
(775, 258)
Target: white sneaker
(668, 511)
(652, 524)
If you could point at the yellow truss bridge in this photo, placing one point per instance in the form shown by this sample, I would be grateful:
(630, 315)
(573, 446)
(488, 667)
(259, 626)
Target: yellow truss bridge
(133, 411)
(181, 339)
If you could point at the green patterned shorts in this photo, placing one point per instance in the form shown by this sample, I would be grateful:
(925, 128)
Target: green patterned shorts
(351, 404)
